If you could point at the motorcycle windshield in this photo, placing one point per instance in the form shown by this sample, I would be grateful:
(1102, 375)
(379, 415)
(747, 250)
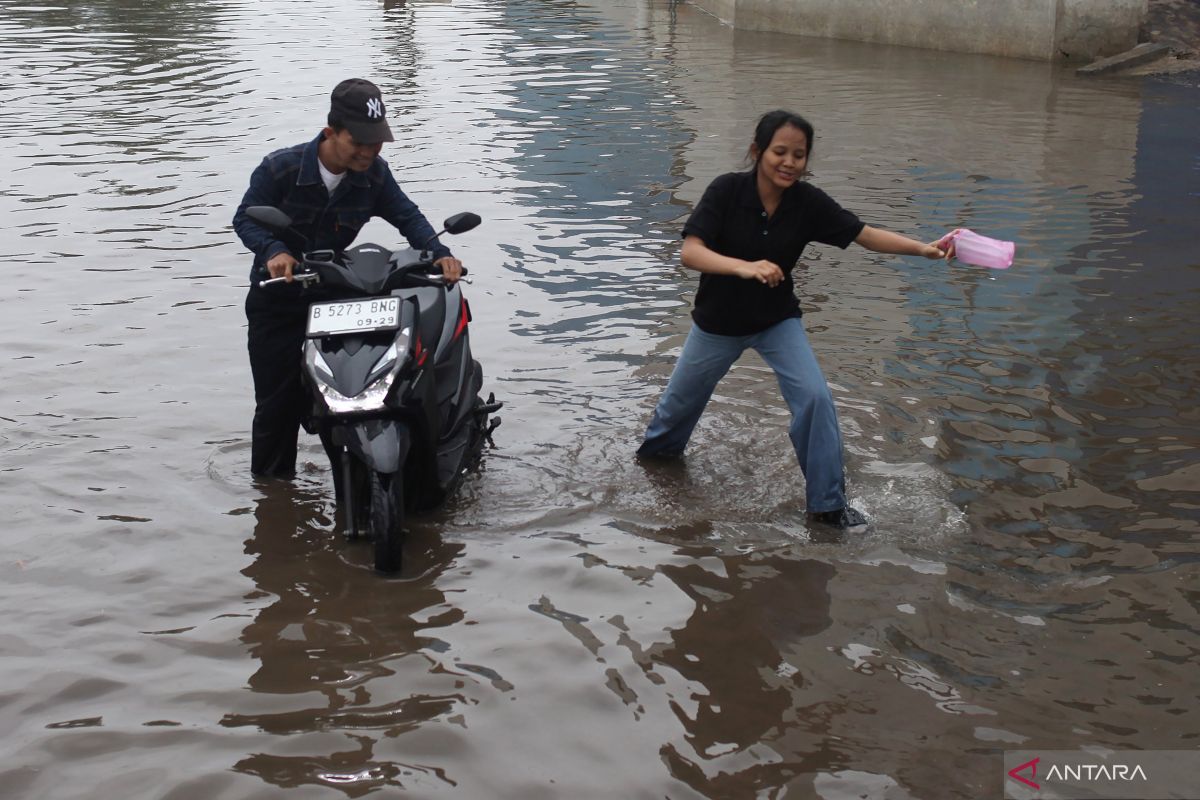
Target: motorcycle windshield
(369, 269)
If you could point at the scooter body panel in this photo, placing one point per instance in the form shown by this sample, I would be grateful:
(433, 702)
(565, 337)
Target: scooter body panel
(380, 443)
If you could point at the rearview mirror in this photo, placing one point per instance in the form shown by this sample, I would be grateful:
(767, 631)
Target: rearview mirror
(462, 222)
(270, 218)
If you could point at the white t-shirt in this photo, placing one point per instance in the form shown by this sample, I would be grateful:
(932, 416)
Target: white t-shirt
(331, 180)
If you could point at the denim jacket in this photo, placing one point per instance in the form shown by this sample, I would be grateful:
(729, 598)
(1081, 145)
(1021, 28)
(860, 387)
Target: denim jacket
(290, 180)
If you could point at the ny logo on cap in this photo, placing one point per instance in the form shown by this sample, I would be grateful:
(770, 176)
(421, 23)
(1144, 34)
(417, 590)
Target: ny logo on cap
(374, 108)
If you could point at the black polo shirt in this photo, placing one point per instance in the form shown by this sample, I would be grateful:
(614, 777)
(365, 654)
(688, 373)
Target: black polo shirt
(730, 220)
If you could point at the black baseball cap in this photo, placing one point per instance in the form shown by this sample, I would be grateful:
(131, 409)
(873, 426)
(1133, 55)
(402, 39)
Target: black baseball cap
(358, 105)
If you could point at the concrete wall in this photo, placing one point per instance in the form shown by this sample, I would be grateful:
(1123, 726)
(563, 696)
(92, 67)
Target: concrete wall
(1039, 29)
(1089, 28)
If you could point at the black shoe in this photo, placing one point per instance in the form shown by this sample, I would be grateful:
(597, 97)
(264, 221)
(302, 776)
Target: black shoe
(839, 518)
(662, 457)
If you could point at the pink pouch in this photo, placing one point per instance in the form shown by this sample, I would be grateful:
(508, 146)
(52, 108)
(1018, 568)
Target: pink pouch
(971, 248)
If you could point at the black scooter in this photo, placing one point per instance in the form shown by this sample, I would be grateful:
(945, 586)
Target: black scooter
(394, 387)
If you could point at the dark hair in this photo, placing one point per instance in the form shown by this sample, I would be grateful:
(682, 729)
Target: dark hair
(772, 121)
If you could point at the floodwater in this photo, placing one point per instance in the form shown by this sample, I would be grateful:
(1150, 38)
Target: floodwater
(574, 624)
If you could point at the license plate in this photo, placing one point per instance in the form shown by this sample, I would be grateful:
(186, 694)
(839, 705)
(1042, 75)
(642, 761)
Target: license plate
(354, 316)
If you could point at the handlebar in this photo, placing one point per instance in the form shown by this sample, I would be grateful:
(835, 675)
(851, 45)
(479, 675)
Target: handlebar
(310, 277)
(437, 277)
(303, 277)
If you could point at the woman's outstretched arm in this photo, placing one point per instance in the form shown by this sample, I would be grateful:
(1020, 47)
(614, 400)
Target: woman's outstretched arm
(888, 242)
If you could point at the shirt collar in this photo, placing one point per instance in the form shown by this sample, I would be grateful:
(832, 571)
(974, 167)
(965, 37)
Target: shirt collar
(748, 192)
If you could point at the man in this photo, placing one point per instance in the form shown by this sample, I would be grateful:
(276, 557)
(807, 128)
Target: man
(330, 187)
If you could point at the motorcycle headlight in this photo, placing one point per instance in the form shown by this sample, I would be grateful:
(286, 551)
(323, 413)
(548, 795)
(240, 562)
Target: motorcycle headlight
(387, 361)
(379, 381)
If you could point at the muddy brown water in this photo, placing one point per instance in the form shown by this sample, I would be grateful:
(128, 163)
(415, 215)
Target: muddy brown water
(573, 624)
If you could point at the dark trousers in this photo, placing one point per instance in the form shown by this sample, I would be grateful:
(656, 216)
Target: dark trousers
(275, 335)
(277, 321)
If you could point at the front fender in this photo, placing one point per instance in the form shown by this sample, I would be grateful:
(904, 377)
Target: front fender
(381, 444)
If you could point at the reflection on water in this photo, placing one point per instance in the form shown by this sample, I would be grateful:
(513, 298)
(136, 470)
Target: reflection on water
(574, 623)
(335, 652)
(761, 608)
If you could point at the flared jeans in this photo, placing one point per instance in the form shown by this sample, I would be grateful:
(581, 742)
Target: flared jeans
(705, 359)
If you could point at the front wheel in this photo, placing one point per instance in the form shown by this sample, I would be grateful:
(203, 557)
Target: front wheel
(387, 519)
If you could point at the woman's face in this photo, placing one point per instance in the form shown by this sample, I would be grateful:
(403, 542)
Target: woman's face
(786, 158)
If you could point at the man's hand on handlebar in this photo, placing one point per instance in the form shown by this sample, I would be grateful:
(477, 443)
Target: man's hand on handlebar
(281, 266)
(451, 268)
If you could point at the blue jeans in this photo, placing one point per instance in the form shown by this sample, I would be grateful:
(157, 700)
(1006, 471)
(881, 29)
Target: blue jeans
(705, 359)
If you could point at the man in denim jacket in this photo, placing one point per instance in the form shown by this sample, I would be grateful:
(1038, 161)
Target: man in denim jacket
(330, 187)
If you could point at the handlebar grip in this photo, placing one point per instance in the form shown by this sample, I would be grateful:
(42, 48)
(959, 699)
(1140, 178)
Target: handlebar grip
(302, 277)
(434, 269)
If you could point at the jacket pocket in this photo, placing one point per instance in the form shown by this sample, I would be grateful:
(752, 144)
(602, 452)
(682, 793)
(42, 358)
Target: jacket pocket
(351, 220)
(304, 214)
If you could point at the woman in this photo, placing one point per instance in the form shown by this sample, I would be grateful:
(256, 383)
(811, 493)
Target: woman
(744, 237)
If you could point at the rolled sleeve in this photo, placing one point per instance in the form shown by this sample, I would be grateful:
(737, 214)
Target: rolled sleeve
(832, 224)
(707, 217)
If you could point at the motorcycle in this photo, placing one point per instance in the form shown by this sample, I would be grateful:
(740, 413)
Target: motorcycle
(395, 390)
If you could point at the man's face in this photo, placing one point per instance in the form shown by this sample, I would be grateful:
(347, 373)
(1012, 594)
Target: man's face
(344, 153)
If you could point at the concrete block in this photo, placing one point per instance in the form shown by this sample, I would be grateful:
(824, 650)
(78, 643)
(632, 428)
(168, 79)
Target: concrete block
(1046, 30)
(1087, 29)
(1141, 54)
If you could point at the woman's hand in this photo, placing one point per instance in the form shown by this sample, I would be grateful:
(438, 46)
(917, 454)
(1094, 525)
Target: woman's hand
(944, 245)
(451, 268)
(765, 272)
(281, 264)
(934, 251)
(698, 256)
